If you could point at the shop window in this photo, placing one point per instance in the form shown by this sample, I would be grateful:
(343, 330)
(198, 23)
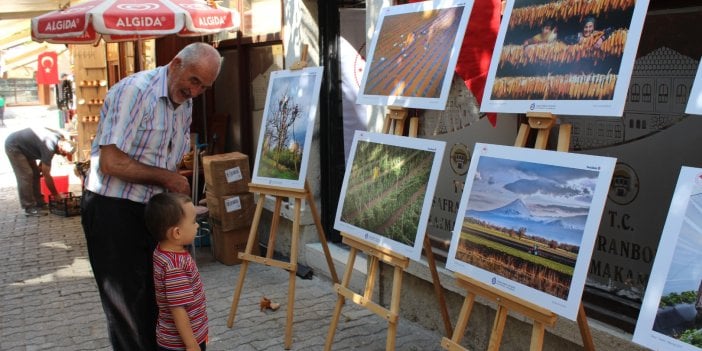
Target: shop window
(663, 93)
(681, 94)
(646, 94)
(635, 93)
(126, 58)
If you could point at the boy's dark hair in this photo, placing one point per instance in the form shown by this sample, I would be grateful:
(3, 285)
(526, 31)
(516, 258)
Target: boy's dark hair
(549, 23)
(163, 212)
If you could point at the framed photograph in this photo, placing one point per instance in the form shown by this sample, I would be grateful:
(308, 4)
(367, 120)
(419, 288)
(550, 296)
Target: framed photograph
(671, 312)
(527, 222)
(286, 129)
(388, 189)
(413, 54)
(694, 104)
(564, 57)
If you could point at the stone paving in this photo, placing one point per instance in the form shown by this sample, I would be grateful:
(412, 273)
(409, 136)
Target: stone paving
(49, 300)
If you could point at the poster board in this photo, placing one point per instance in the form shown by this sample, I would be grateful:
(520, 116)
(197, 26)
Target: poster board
(694, 104)
(388, 189)
(527, 223)
(286, 128)
(667, 320)
(564, 57)
(413, 54)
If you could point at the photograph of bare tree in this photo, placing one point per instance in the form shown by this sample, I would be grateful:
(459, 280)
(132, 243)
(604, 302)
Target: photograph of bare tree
(388, 189)
(286, 129)
(529, 220)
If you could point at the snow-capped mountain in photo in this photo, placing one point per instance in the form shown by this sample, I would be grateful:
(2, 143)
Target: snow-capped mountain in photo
(516, 214)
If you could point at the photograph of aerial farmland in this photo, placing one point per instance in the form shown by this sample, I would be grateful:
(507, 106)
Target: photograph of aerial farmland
(388, 190)
(528, 221)
(671, 316)
(413, 54)
(286, 129)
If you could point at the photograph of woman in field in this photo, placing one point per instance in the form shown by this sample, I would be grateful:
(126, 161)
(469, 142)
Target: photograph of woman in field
(530, 220)
(388, 189)
(565, 50)
(286, 128)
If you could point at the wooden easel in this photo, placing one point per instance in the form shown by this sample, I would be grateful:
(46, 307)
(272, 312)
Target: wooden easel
(280, 193)
(542, 122)
(395, 120)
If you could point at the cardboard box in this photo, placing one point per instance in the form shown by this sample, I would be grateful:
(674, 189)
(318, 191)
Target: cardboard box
(227, 174)
(231, 212)
(226, 245)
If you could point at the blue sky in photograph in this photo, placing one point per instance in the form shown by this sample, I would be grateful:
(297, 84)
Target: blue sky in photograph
(685, 270)
(300, 89)
(547, 190)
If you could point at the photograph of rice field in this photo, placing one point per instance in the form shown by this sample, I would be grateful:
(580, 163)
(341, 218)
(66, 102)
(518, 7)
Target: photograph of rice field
(286, 128)
(386, 190)
(670, 312)
(413, 53)
(525, 221)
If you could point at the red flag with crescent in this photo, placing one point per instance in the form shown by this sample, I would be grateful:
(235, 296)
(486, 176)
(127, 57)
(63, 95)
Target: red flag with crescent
(47, 68)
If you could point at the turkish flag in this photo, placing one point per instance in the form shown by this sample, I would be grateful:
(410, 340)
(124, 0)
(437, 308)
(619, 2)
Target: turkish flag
(47, 68)
(478, 43)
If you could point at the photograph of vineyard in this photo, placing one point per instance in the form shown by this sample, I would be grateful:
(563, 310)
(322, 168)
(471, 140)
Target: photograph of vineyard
(290, 111)
(562, 50)
(679, 315)
(411, 51)
(386, 189)
(525, 221)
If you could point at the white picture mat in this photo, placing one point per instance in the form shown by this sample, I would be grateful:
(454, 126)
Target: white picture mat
(432, 103)
(435, 146)
(307, 76)
(606, 108)
(694, 104)
(689, 184)
(567, 308)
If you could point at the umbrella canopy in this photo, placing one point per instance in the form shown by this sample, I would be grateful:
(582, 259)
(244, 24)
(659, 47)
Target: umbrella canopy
(126, 20)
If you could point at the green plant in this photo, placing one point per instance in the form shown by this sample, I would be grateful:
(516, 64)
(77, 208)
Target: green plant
(692, 337)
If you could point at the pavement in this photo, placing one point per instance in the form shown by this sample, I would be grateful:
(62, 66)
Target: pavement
(49, 300)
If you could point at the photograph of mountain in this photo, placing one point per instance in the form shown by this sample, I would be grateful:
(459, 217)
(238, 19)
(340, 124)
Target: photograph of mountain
(534, 238)
(530, 218)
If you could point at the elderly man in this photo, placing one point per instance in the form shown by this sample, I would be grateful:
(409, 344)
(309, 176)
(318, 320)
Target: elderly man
(143, 133)
(23, 148)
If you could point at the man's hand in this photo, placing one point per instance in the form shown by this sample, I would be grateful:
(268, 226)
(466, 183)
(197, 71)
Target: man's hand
(116, 163)
(177, 183)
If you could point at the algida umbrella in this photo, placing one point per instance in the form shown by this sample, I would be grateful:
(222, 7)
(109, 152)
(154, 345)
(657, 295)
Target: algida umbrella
(127, 20)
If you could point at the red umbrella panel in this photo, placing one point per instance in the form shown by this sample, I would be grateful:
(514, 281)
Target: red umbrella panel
(123, 20)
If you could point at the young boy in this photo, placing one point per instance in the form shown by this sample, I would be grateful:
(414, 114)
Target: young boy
(182, 310)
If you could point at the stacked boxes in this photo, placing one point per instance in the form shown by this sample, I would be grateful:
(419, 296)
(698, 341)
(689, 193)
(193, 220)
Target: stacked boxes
(230, 203)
